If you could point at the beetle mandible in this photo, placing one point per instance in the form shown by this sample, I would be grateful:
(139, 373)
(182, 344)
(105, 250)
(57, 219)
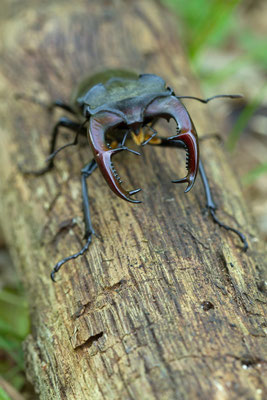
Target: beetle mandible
(116, 103)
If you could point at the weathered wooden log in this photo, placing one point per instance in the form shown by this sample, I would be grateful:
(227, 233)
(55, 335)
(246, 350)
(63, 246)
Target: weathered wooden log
(166, 306)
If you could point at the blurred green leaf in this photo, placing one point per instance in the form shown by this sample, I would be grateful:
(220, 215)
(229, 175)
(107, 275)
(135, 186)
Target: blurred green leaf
(218, 16)
(254, 174)
(213, 78)
(204, 21)
(15, 377)
(243, 119)
(214, 23)
(12, 298)
(3, 395)
(14, 326)
(13, 314)
(13, 348)
(254, 47)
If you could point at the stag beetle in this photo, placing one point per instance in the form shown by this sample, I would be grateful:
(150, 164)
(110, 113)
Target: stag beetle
(116, 103)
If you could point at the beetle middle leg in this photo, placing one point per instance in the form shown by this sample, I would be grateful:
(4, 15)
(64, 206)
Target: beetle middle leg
(210, 204)
(66, 123)
(89, 231)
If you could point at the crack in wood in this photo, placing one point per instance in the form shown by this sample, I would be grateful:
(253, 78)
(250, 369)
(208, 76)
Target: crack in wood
(91, 305)
(88, 343)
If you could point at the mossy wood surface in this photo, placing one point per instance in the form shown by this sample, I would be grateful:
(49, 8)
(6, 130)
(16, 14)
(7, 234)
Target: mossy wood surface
(166, 305)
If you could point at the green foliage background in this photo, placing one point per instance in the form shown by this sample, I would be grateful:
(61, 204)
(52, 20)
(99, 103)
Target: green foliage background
(205, 24)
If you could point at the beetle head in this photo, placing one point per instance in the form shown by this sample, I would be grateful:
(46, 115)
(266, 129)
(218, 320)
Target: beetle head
(163, 107)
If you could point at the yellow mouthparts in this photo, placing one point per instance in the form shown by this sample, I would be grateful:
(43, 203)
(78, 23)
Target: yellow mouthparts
(143, 137)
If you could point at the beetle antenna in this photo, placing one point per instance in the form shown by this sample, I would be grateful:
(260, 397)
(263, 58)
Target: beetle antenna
(230, 96)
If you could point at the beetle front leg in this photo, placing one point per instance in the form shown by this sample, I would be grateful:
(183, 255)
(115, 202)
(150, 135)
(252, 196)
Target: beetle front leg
(66, 123)
(89, 231)
(210, 204)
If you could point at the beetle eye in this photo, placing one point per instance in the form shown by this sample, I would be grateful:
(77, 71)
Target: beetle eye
(178, 129)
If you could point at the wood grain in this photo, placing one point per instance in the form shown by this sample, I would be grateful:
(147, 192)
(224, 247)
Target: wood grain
(131, 319)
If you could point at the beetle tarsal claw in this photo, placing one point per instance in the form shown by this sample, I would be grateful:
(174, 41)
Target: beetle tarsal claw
(131, 193)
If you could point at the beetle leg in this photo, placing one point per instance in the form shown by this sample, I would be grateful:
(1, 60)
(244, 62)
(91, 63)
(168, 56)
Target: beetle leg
(210, 205)
(79, 130)
(89, 231)
(66, 123)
